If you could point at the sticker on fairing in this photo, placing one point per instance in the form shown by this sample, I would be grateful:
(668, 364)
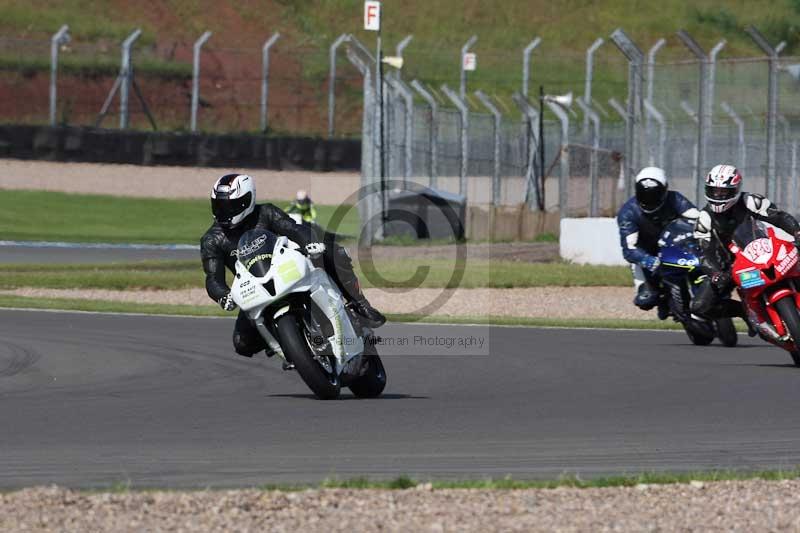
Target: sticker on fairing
(288, 272)
(750, 279)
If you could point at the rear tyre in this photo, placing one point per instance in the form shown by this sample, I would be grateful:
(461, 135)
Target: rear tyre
(323, 384)
(726, 332)
(372, 383)
(698, 338)
(788, 311)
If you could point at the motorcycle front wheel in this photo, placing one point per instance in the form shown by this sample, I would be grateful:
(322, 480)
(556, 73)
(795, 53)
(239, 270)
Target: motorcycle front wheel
(325, 385)
(726, 332)
(788, 312)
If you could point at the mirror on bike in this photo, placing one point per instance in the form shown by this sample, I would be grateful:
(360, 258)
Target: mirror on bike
(254, 251)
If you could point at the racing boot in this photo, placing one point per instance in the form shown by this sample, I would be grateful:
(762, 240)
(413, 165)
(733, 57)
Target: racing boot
(348, 283)
(767, 332)
(372, 317)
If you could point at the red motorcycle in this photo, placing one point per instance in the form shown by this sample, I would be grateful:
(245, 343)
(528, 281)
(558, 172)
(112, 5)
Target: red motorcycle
(768, 278)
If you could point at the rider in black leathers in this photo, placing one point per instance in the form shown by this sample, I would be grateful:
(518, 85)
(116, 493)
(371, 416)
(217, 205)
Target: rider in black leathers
(218, 246)
(726, 209)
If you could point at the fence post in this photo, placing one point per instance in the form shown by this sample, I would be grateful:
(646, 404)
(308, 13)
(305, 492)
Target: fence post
(464, 110)
(794, 180)
(464, 49)
(265, 78)
(772, 102)
(705, 104)
(498, 117)
(60, 37)
(198, 44)
(526, 64)
(587, 90)
(369, 192)
(651, 66)
(126, 73)
(398, 51)
(594, 190)
(783, 178)
(408, 98)
(742, 164)
(434, 130)
(687, 108)
(651, 74)
(332, 81)
(652, 111)
(532, 120)
(635, 102)
(563, 179)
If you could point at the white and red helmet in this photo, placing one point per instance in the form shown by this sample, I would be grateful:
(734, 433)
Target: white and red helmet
(723, 187)
(233, 198)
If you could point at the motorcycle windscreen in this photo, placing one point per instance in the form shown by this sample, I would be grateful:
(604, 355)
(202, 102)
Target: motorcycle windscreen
(255, 251)
(748, 231)
(679, 234)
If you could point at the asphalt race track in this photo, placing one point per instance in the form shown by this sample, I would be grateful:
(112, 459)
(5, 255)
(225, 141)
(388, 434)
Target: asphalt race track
(75, 253)
(92, 400)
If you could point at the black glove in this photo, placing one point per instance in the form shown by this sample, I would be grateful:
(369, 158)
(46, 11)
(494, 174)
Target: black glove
(721, 280)
(227, 303)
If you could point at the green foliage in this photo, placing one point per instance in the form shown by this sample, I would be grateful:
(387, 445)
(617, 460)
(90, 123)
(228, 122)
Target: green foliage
(88, 20)
(719, 18)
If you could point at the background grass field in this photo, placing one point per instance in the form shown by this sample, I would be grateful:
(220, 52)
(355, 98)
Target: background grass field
(113, 219)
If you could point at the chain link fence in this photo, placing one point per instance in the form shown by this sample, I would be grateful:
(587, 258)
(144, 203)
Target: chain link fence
(685, 115)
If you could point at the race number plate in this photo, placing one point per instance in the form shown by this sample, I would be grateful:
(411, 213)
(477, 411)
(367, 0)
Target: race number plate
(750, 279)
(759, 251)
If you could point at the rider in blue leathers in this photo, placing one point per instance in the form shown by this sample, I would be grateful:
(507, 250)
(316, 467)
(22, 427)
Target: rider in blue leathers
(641, 220)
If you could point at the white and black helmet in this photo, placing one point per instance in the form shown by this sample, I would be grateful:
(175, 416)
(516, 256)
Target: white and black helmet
(723, 187)
(651, 189)
(233, 198)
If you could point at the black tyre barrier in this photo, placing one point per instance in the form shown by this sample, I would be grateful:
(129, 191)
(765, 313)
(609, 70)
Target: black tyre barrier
(75, 144)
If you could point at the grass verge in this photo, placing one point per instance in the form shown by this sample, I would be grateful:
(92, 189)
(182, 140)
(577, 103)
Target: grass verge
(113, 219)
(571, 481)
(105, 306)
(397, 274)
(509, 483)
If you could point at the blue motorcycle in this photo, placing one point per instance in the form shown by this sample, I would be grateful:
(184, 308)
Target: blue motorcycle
(680, 275)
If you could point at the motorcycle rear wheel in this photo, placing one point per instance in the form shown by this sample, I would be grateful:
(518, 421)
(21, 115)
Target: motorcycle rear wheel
(323, 384)
(726, 332)
(697, 338)
(372, 383)
(788, 311)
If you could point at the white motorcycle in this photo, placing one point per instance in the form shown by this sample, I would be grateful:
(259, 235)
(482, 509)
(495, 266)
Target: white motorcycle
(302, 316)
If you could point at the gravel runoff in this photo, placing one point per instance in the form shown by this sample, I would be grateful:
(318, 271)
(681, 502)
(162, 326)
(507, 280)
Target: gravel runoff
(534, 302)
(721, 506)
(168, 181)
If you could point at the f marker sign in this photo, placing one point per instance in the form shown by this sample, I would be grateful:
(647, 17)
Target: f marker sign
(372, 16)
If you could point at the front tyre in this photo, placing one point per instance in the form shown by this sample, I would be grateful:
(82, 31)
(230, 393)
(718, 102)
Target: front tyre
(323, 384)
(372, 383)
(726, 332)
(788, 312)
